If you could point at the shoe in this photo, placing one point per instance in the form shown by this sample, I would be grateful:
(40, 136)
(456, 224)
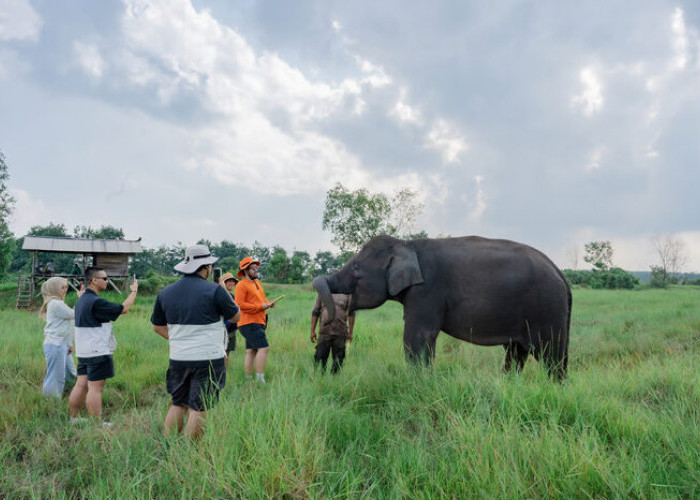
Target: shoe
(107, 425)
(77, 420)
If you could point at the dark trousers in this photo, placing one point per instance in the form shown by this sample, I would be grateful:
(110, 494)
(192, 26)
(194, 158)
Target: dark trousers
(330, 345)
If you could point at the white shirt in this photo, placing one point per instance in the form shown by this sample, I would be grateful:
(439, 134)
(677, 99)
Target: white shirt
(59, 323)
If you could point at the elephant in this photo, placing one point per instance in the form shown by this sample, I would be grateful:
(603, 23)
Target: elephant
(484, 291)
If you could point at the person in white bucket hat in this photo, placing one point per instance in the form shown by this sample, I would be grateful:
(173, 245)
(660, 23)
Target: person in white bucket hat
(196, 256)
(190, 313)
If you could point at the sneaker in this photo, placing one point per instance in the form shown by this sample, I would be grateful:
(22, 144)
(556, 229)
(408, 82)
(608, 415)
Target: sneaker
(77, 420)
(107, 425)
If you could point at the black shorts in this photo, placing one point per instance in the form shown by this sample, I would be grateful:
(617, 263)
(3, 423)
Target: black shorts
(195, 384)
(254, 334)
(96, 368)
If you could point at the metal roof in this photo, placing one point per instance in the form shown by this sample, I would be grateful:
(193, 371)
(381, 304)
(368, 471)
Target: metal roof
(80, 245)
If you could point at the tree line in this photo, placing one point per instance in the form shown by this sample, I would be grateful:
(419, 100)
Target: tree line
(276, 263)
(352, 216)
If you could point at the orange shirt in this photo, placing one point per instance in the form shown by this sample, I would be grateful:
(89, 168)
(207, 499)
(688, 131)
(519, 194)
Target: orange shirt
(250, 297)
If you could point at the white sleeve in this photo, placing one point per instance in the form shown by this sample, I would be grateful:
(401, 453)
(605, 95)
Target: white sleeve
(61, 309)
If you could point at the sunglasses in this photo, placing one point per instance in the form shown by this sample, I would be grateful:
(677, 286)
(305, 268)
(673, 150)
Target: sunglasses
(102, 278)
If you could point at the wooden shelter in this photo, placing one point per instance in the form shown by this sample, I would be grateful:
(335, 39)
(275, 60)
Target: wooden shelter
(112, 255)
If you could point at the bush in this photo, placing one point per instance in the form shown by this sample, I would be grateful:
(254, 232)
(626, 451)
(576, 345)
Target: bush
(613, 278)
(575, 277)
(154, 282)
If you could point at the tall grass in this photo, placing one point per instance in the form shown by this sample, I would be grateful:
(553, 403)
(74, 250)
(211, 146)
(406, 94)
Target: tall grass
(624, 424)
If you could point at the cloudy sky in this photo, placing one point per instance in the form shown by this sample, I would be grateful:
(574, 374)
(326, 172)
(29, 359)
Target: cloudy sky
(551, 123)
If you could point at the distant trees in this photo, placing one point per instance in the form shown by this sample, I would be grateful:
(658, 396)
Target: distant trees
(355, 217)
(604, 274)
(672, 257)
(7, 205)
(104, 232)
(599, 254)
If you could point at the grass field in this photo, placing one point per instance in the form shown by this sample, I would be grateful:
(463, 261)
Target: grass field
(625, 424)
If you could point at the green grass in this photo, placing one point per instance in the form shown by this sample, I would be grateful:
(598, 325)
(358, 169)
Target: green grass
(623, 425)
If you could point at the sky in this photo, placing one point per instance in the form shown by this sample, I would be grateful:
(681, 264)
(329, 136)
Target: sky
(550, 123)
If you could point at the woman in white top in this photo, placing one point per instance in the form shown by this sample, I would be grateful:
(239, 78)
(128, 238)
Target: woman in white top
(58, 336)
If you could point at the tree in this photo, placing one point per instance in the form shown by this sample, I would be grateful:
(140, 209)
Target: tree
(672, 257)
(7, 205)
(323, 262)
(404, 211)
(104, 232)
(572, 253)
(278, 267)
(599, 255)
(355, 217)
(299, 264)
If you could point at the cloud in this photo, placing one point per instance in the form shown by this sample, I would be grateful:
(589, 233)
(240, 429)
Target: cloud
(265, 112)
(405, 113)
(89, 59)
(590, 100)
(595, 158)
(445, 138)
(19, 21)
(480, 200)
(680, 40)
(28, 212)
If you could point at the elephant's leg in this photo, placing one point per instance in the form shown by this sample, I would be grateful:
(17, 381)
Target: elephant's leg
(419, 343)
(556, 358)
(551, 349)
(514, 352)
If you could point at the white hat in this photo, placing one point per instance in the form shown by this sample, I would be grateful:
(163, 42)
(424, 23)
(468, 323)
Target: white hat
(196, 256)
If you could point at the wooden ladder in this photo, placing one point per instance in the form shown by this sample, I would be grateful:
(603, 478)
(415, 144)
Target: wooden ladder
(25, 291)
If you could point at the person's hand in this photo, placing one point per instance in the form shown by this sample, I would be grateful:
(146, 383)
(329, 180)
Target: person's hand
(70, 349)
(349, 337)
(268, 305)
(81, 289)
(313, 336)
(134, 287)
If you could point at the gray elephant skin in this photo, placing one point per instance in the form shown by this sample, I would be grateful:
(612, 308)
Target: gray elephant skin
(484, 291)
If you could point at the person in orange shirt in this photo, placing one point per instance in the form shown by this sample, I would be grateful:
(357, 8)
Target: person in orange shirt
(253, 303)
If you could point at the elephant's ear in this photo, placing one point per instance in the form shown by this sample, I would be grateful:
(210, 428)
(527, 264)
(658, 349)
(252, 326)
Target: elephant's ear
(403, 271)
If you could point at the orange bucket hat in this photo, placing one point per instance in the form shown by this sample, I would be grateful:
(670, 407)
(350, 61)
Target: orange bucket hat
(245, 263)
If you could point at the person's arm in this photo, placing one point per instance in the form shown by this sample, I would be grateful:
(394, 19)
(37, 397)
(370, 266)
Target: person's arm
(314, 321)
(351, 326)
(158, 319)
(226, 305)
(161, 330)
(129, 301)
(61, 309)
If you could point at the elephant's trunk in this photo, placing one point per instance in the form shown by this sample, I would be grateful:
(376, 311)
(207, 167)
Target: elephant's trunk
(321, 285)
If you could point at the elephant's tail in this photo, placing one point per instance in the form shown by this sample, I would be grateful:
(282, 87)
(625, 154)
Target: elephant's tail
(567, 333)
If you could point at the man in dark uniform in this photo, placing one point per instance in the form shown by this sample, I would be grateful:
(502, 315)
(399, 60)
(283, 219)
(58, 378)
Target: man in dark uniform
(332, 336)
